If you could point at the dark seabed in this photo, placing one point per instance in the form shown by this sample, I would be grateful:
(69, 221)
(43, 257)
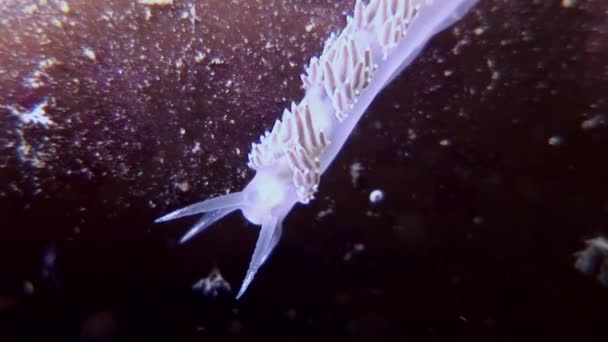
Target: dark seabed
(490, 151)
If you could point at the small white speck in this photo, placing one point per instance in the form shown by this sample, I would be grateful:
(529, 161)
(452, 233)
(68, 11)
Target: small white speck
(478, 220)
(445, 142)
(479, 31)
(309, 27)
(182, 131)
(183, 186)
(594, 122)
(568, 3)
(238, 151)
(147, 13)
(556, 140)
(376, 196)
(57, 22)
(156, 2)
(216, 61)
(28, 287)
(199, 56)
(89, 53)
(29, 9)
(355, 172)
(64, 7)
(324, 213)
(47, 62)
(359, 247)
(197, 147)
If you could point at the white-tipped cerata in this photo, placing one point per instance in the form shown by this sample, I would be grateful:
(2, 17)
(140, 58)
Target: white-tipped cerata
(379, 40)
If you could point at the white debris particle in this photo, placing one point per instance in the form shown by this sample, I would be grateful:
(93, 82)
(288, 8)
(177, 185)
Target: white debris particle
(182, 131)
(196, 148)
(29, 9)
(479, 31)
(376, 196)
(216, 60)
(28, 287)
(594, 259)
(445, 142)
(89, 53)
(185, 15)
(64, 7)
(213, 285)
(238, 151)
(568, 3)
(324, 213)
(156, 2)
(199, 56)
(183, 186)
(36, 78)
(57, 22)
(411, 134)
(47, 63)
(147, 13)
(556, 140)
(478, 220)
(35, 116)
(355, 172)
(448, 73)
(309, 27)
(34, 81)
(357, 249)
(594, 122)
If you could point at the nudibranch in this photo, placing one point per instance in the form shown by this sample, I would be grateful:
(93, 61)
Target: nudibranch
(379, 40)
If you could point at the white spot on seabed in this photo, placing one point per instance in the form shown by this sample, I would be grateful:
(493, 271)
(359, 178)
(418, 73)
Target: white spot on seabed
(156, 2)
(90, 54)
(64, 7)
(35, 116)
(36, 78)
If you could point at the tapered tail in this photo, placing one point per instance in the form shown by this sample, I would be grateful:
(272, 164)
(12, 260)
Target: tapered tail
(214, 208)
(270, 234)
(205, 222)
(229, 201)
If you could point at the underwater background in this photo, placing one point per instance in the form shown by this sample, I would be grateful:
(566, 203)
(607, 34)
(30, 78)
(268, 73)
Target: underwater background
(486, 158)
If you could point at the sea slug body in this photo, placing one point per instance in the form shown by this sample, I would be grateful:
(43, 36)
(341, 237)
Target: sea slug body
(380, 39)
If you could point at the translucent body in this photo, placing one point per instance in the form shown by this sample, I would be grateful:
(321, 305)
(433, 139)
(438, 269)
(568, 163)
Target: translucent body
(379, 41)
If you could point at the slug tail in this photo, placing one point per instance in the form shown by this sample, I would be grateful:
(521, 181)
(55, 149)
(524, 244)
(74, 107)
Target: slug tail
(229, 201)
(270, 234)
(205, 222)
